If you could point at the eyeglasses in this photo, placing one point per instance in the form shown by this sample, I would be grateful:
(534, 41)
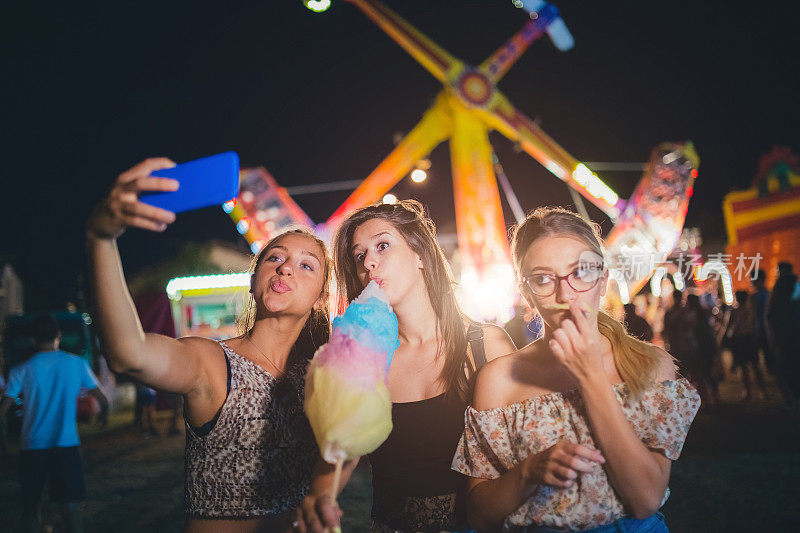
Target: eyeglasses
(580, 280)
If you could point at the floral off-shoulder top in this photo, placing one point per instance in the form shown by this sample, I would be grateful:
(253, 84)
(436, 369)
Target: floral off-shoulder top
(496, 440)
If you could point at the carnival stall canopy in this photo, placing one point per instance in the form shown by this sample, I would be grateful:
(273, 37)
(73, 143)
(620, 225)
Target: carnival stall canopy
(763, 222)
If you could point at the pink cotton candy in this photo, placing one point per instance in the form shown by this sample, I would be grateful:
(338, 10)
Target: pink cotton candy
(353, 362)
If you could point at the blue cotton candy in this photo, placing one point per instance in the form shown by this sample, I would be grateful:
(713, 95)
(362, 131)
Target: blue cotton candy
(372, 324)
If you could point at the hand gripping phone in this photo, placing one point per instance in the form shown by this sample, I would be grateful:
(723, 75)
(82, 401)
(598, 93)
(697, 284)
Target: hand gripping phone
(211, 180)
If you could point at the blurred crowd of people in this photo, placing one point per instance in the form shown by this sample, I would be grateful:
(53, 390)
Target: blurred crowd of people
(761, 323)
(696, 328)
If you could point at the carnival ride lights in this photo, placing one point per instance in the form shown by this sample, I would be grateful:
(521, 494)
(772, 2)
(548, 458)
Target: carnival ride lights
(622, 288)
(659, 275)
(469, 106)
(262, 208)
(651, 221)
(418, 175)
(317, 6)
(724, 275)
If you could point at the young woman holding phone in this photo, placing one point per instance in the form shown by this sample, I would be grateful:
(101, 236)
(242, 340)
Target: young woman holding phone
(249, 447)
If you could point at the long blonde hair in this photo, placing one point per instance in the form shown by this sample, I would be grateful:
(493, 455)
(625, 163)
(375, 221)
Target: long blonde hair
(636, 360)
(419, 231)
(316, 330)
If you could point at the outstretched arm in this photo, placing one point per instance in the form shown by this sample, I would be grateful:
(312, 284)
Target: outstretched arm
(161, 362)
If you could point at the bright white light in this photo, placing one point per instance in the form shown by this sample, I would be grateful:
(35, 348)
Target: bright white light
(610, 196)
(317, 6)
(242, 226)
(256, 246)
(724, 276)
(418, 175)
(582, 174)
(490, 298)
(655, 281)
(677, 279)
(556, 169)
(622, 285)
(228, 206)
(177, 285)
(594, 185)
(389, 198)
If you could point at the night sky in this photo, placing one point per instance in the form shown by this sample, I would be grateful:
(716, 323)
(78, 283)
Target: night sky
(93, 87)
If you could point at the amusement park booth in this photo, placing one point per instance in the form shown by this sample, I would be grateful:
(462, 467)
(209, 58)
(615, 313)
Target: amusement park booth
(763, 222)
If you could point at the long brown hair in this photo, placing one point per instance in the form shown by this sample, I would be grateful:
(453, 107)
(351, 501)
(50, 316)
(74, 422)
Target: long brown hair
(316, 330)
(636, 360)
(419, 232)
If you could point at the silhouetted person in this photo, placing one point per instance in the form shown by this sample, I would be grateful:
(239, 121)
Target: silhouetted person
(741, 335)
(691, 341)
(707, 344)
(759, 301)
(637, 325)
(783, 318)
(49, 384)
(679, 334)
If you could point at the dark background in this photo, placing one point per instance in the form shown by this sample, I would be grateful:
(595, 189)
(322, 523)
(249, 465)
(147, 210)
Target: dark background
(91, 89)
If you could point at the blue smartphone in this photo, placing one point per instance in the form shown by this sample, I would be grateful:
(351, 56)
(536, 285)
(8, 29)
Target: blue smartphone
(211, 180)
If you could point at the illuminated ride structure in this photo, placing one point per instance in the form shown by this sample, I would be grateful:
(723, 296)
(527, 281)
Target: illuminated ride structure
(646, 227)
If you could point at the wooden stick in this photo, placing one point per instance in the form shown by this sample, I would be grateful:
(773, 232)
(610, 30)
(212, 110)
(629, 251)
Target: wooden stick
(337, 477)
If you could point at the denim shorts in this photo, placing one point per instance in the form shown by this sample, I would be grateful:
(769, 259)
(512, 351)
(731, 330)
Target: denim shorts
(654, 524)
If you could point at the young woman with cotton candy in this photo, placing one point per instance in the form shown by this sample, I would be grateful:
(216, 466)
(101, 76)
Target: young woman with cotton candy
(577, 430)
(249, 446)
(429, 380)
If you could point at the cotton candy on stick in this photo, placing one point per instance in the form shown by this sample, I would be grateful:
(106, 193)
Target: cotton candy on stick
(347, 402)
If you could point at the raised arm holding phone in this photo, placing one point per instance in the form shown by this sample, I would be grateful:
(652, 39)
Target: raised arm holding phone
(243, 397)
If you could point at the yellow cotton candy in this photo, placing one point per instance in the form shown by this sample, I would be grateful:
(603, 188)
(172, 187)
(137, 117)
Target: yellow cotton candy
(347, 420)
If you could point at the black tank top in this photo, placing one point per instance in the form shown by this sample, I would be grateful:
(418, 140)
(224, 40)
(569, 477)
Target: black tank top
(414, 488)
(415, 459)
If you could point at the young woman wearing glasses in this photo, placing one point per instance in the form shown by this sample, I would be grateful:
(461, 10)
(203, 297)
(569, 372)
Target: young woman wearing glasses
(577, 430)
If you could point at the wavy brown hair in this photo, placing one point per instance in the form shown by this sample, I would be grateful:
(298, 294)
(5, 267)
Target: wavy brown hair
(419, 232)
(636, 360)
(316, 330)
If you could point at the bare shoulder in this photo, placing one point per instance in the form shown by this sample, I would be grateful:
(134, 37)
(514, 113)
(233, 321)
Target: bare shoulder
(494, 381)
(200, 345)
(665, 369)
(206, 352)
(496, 342)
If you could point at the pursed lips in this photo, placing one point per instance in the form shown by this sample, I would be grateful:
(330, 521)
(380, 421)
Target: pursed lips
(280, 286)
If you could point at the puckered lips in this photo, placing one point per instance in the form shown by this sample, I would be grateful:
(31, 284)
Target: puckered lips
(279, 286)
